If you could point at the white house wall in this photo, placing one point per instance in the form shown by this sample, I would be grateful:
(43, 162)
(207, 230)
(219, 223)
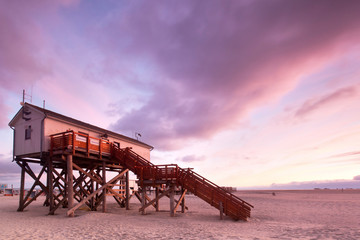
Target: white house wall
(32, 145)
(53, 126)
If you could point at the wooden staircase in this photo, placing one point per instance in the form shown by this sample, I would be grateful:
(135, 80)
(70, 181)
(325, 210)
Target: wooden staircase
(150, 174)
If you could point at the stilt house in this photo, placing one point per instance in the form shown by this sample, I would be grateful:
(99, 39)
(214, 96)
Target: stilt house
(75, 157)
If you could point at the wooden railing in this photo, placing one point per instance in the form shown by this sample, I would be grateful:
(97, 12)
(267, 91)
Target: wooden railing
(72, 141)
(146, 171)
(193, 182)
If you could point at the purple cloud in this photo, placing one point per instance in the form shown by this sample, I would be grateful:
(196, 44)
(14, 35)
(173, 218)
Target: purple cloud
(356, 177)
(192, 158)
(22, 41)
(216, 60)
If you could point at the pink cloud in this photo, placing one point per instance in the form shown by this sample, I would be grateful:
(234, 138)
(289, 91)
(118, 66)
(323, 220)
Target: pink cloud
(192, 158)
(325, 101)
(216, 61)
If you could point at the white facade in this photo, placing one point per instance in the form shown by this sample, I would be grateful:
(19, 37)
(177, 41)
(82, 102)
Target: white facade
(42, 123)
(32, 144)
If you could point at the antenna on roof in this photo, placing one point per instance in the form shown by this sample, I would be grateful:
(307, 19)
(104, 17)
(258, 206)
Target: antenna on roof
(26, 97)
(43, 104)
(137, 135)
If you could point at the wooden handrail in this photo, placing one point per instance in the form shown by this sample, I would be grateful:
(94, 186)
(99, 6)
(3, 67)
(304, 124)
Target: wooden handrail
(68, 138)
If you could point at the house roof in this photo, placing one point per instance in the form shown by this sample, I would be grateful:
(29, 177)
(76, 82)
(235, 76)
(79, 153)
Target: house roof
(55, 115)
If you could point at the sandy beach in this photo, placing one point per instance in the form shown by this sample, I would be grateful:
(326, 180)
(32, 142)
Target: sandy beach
(313, 214)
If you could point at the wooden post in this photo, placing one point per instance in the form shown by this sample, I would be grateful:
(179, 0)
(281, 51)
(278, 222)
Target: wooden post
(50, 185)
(183, 201)
(104, 190)
(157, 198)
(92, 201)
(221, 211)
(127, 191)
(172, 192)
(70, 183)
(143, 199)
(22, 182)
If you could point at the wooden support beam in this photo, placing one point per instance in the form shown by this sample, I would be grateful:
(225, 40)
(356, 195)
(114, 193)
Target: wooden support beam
(104, 190)
(50, 185)
(70, 183)
(24, 201)
(172, 193)
(143, 200)
(221, 211)
(22, 188)
(183, 202)
(157, 198)
(137, 195)
(92, 176)
(176, 201)
(115, 193)
(59, 175)
(51, 212)
(127, 192)
(72, 210)
(154, 200)
(32, 174)
(180, 200)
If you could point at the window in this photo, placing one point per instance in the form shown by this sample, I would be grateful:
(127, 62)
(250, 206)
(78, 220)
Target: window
(117, 144)
(28, 133)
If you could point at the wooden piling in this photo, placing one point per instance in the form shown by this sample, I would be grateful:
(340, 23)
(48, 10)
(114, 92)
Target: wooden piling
(127, 191)
(221, 211)
(157, 198)
(70, 183)
(22, 188)
(183, 200)
(50, 185)
(172, 193)
(143, 200)
(104, 190)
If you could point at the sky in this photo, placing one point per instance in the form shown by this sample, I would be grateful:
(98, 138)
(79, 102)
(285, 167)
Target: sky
(248, 93)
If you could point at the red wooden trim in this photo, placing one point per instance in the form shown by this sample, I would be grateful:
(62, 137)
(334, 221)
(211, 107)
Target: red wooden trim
(73, 142)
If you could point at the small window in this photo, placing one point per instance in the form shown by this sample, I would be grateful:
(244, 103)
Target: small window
(117, 144)
(28, 133)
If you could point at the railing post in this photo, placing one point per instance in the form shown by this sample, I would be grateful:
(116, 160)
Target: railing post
(88, 145)
(63, 142)
(100, 149)
(51, 145)
(166, 173)
(73, 142)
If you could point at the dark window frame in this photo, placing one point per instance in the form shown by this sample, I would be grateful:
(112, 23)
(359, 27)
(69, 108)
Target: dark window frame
(28, 131)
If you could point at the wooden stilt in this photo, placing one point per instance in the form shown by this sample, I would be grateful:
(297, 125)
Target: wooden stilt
(92, 201)
(71, 211)
(157, 198)
(104, 190)
(70, 183)
(143, 200)
(22, 188)
(127, 191)
(183, 200)
(152, 202)
(172, 193)
(221, 211)
(180, 201)
(50, 185)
